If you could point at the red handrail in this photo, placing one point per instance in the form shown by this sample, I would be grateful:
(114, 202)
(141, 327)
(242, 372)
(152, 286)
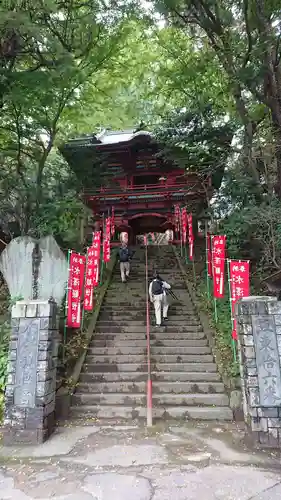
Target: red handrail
(149, 381)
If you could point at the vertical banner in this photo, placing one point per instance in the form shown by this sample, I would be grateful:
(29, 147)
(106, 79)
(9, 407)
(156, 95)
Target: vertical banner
(89, 280)
(218, 265)
(108, 228)
(184, 225)
(112, 222)
(106, 249)
(239, 279)
(106, 240)
(190, 236)
(75, 289)
(96, 261)
(177, 218)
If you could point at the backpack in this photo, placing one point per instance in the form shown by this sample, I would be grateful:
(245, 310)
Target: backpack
(124, 254)
(157, 287)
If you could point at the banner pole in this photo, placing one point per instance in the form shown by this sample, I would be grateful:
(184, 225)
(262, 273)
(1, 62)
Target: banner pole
(231, 313)
(185, 254)
(207, 261)
(194, 271)
(66, 307)
(215, 310)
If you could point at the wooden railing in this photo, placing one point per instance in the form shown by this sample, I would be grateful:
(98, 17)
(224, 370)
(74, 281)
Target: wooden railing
(156, 189)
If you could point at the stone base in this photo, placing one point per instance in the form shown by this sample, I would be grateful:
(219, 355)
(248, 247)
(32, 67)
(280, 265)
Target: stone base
(33, 436)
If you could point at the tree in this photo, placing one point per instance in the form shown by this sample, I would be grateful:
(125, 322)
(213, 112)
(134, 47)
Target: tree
(245, 36)
(61, 45)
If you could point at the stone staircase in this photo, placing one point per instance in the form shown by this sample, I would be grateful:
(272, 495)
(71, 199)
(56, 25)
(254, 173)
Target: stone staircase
(186, 384)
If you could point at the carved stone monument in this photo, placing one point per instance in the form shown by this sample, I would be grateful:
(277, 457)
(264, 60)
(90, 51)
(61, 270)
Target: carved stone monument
(31, 385)
(36, 272)
(259, 341)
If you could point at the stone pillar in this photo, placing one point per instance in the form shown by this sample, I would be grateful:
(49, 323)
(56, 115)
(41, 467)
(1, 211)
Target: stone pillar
(259, 342)
(31, 385)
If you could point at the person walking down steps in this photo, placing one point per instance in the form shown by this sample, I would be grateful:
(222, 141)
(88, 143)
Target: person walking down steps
(125, 256)
(158, 297)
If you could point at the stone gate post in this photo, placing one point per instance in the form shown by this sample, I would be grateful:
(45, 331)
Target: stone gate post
(259, 343)
(31, 385)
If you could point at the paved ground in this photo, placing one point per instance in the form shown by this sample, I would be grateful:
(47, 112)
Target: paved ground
(187, 462)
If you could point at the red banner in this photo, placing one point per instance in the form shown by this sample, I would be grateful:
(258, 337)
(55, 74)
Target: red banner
(89, 280)
(106, 249)
(218, 265)
(108, 228)
(184, 225)
(177, 217)
(75, 289)
(190, 236)
(239, 276)
(209, 255)
(112, 222)
(96, 264)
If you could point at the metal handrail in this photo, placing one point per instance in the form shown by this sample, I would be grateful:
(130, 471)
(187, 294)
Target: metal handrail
(149, 381)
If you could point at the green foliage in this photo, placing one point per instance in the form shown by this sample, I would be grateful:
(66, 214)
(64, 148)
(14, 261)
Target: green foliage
(4, 348)
(198, 140)
(222, 329)
(4, 345)
(58, 48)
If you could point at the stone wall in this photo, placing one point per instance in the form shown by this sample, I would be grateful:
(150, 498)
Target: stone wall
(259, 342)
(31, 385)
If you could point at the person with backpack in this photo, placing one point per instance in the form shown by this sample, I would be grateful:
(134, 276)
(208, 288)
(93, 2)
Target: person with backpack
(125, 256)
(158, 297)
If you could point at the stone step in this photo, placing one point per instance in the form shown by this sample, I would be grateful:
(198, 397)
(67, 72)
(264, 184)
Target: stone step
(155, 358)
(137, 315)
(157, 388)
(184, 413)
(141, 329)
(157, 335)
(209, 377)
(189, 321)
(155, 350)
(114, 308)
(117, 350)
(143, 343)
(132, 399)
(142, 367)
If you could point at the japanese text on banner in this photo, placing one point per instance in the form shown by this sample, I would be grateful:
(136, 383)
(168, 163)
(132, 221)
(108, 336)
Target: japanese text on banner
(75, 289)
(108, 228)
(106, 250)
(177, 217)
(96, 264)
(239, 275)
(184, 224)
(190, 236)
(218, 265)
(112, 222)
(89, 280)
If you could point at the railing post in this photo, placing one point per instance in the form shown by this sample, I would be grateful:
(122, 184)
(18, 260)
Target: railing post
(149, 381)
